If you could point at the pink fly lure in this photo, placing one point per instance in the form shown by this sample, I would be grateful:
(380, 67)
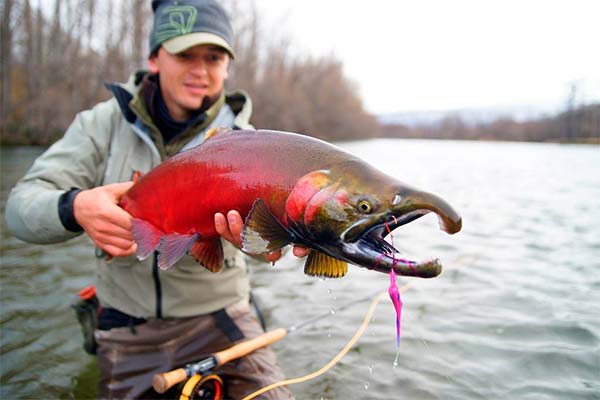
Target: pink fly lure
(394, 293)
(397, 301)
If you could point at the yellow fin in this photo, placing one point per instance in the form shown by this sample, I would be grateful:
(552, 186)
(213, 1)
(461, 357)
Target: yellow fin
(319, 264)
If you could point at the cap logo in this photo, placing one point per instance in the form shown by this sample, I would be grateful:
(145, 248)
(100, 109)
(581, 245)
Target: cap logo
(180, 20)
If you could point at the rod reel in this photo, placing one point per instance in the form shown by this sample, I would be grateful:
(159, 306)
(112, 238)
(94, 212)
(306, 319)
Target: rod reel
(203, 387)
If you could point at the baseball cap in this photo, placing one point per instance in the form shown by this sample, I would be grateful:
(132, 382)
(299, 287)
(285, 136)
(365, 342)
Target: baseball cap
(181, 24)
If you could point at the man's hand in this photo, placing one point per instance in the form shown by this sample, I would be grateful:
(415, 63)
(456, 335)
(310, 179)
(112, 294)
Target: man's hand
(107, 224)
(230, 228)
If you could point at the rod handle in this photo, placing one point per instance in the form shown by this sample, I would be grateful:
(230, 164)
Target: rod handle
(163, 382)
(243, 348)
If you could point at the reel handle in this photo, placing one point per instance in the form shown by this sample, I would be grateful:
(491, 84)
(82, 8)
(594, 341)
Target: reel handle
(163, 382)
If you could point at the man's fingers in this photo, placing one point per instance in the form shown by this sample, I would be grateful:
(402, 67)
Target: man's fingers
(230, 227)
(119, 218)
(109, 240)
(221, 226)
(116, 251)
(236, 225)
(119, 189)
(273, 256)
(300, 251)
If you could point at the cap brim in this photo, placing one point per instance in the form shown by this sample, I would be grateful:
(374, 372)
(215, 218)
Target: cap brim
(184, 42)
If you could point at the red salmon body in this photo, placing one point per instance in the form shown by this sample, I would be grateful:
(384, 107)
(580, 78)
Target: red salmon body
(227, 172)
(289, 188)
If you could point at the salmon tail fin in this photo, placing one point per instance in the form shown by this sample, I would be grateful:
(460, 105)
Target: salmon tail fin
(174, 246)
(146, 236)
(209, 253)
(320, 264)
(263, 233)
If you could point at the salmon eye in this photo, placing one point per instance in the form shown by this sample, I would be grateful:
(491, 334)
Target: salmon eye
(365, 207)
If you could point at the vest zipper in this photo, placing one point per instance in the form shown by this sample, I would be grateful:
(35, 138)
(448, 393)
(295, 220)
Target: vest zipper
(157, 286)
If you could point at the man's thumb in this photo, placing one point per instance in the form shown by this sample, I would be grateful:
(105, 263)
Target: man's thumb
(119, 189)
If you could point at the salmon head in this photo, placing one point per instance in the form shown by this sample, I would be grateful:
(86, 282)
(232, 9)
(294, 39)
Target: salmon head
(343, 213)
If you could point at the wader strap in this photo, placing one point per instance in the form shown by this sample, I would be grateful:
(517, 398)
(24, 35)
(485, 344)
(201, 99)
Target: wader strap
(226, 324)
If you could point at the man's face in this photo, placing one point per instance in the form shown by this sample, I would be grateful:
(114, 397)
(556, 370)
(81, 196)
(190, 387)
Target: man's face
(187, 77)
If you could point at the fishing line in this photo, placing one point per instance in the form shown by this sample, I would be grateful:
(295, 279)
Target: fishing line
(333, 361)
(376, 300)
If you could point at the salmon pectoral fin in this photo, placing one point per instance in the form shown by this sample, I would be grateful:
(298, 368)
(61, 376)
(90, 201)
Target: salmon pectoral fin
(209, 253)
(174, 246)
(146, 236)
(320, 264)
(263, 233)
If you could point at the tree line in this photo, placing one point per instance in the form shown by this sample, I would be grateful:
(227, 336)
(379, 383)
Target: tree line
(56, 56)
(579, 124)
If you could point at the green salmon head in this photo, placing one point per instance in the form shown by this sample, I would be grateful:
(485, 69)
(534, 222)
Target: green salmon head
(346, 212)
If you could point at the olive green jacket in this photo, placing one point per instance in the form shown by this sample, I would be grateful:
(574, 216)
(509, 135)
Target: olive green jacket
(104, 145)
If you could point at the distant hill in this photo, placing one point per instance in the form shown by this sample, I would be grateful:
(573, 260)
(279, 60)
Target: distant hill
(469, 116)
(579, 124)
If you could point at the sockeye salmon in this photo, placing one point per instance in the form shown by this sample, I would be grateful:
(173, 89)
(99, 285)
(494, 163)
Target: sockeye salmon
(290, 189)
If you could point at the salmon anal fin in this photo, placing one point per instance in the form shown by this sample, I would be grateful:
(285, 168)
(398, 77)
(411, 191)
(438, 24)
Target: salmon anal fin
(174, 246)
(146, 236)
(209, 253)
(320, 264)
(263, 232)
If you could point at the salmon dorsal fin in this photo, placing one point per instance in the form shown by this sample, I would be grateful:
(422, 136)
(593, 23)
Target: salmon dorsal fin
(209, 253)
(146, 236)
(136, 175)
(263, 232)
(174, 246)
(213, 132)
(320, 264)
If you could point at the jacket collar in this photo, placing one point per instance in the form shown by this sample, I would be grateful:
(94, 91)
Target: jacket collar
(125, 93)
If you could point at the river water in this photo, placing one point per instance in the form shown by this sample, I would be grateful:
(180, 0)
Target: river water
(515, 314)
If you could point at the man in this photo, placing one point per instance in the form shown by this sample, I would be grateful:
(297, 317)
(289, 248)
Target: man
(151, 320)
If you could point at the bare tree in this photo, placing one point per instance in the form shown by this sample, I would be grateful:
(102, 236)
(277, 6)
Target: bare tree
(62, 51)
(244, 71)
(5, 63)
(139, 37)
(570, 122)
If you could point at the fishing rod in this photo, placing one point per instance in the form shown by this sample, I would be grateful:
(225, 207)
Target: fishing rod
(164, 381)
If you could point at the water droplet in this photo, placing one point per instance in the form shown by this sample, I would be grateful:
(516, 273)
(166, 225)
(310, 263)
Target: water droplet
(396, 359)
(371, 368)
(332, 311)
(329, 291)
(367, 386)
(329, 335)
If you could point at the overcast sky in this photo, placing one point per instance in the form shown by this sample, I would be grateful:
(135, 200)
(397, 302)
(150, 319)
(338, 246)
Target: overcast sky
(452, 54)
